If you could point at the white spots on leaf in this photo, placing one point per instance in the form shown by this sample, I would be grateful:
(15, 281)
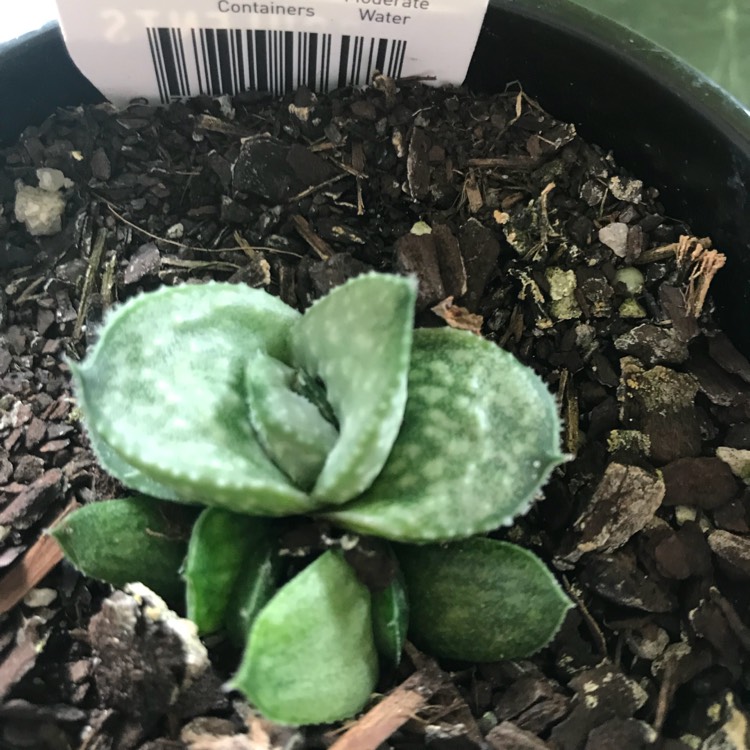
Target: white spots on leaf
(436, 436)
(430, 395)
(432, 470)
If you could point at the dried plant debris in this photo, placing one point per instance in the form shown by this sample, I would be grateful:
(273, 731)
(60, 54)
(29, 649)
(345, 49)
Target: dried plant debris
(517, 230)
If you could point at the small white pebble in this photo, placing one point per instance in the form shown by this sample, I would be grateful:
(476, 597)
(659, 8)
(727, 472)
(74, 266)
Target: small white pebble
(40, 598)
(176, 231)
(40, 210)
(52, 179)
(615, 237)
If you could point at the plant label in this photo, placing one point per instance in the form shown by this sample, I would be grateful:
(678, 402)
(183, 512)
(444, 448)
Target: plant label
(164, 51)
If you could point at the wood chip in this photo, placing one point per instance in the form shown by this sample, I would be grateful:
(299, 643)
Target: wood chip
(380, 722)
(38, 561)
(624, 502)
(473, 193)
(22, 657)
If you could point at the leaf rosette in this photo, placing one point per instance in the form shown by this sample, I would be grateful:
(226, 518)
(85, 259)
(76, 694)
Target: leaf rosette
(223, 396)
(212, 394)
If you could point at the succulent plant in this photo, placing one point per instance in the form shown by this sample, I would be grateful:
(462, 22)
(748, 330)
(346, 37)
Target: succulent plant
(222, 396)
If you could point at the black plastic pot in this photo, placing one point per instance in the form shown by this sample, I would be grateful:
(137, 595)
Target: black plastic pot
(664, 121)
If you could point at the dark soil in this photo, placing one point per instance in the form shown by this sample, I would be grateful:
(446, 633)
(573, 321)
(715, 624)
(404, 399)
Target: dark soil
(532, 229)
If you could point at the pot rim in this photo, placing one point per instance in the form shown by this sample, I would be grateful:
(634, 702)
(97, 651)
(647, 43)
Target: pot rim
(650, 59)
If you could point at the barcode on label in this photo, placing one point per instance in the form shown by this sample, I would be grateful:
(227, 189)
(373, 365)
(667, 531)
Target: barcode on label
(189, 62)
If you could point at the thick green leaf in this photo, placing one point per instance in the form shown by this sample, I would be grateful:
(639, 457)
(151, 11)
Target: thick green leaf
(480, 436)
(130, 540)
(390, 620)
(163, 388)
(480, 600)
(131, 477)
(220, 544)
(357, 339)
(291, 429)
(258, 581)
(311, 657)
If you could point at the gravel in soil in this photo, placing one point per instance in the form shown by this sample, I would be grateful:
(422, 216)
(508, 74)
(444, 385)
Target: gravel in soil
(515, 228)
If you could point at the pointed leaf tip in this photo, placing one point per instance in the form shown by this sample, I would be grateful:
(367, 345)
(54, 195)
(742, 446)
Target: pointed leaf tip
(357, 339)
(289, 427)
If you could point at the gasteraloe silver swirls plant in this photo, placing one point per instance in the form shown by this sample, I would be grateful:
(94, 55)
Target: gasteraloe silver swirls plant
(222, 396)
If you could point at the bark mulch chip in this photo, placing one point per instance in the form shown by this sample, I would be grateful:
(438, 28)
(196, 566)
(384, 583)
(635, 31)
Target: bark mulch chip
(515, 228)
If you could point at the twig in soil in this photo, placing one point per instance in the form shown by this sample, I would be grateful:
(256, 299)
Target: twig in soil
(591, 623)
(38, 561)
(27, 293)
(88, 283)
(570, 410)
(182, 245)
(323, 250)
(108, 281)
(314, 188)
(656, 254)
(141, 230)
(351, 169)
(381, 721)
(358, 162)
(170, 260)
(321, 145)
(217, 125)
(545, 225)
(522, 163)
(664, 252)
(666, 691)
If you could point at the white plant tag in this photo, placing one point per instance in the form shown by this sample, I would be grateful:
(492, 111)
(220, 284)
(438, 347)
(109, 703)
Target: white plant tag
(171, 49)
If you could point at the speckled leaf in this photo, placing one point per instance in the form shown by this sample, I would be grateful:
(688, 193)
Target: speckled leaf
(257, 582)
(131, 477)
(480, 600)
(290, 428)
(390, 620)
(311, 658)
(480, 436)
(128, 540)
(357, 340)
(220, 544)
(163, 388)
